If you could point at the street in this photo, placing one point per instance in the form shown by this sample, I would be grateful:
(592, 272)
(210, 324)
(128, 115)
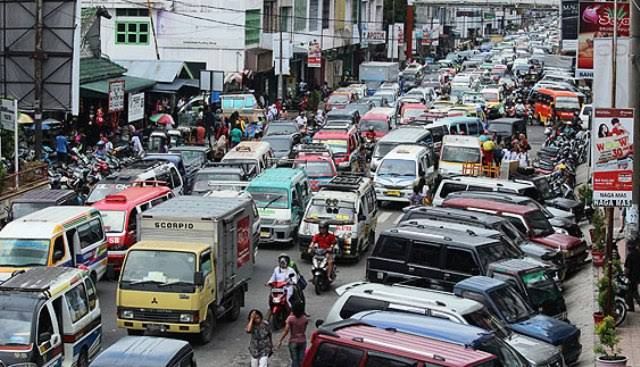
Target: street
(230, 342)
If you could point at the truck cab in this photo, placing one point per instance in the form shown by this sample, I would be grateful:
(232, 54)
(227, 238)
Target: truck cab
(504, 301)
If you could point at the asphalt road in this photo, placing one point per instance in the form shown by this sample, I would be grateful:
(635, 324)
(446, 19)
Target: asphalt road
(230, 342)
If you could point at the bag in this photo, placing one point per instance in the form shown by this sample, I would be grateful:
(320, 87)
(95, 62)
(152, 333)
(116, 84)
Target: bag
(302, 283)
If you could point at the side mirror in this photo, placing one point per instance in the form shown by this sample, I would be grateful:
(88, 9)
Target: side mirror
(44, 337)
(58, 255)
(319, 323)
(198, 278)
(55, 339)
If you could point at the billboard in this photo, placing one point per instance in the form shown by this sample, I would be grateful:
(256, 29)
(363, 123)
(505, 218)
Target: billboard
(314, 56)
(602, 72)
(596, 21)
(136, 107)
(569, 21)
(612, 163)
(116, 95)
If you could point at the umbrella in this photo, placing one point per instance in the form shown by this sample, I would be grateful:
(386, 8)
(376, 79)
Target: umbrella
(23, 118)
(162, 119)
(47, 124)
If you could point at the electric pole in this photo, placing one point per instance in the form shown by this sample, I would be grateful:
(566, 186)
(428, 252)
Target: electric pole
(38, 57)
(280, 79)
(408, 39)
(634, 98)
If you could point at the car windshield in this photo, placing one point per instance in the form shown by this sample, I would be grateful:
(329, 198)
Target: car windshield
(337, 146)
(160, 270)
(281, 129)
(397, 167)
(378, 125)
(19, 210)
(218, 176)
(279, 145)
(413, 112)
(460, 154)
(567, 103)
(249, 165)
(540, 286)
(512, 233)
(100, 191)
(190, 155)
(23, 252)
(491, 96)
(510, 304)
(499, 251)
(503, 351)
(113, 220)
(16, 327)
(316, 168)
(382, 149)
(329, 209)
(338, 99)
(269, 198)
(485, 320)
(539, 224)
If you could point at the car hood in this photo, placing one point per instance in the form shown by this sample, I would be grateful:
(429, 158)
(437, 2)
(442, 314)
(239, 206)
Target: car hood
(545, 328)
(562, 203)
(561, 222)
(559, 241)
(403, 181)
(561, 213)
(536, 352)
(535, 249)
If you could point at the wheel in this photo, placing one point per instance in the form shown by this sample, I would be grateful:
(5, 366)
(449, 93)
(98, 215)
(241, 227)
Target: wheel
(206, 328)
(317, 285)
(83, 359)
(278, 320)
(133, 332)
(620, 311)
(236, 304)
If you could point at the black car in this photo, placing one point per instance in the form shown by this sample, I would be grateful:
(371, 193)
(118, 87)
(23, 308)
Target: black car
(282, 145)
(506, 127)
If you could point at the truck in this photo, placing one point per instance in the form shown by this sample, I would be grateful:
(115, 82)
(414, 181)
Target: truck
(374, 73)
(191, 267)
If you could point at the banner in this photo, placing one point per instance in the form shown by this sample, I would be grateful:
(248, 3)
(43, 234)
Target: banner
(136, 107)
(314, 56)
(596, 21)
(569, 23)
(602, 73)
(376, 37)
(244, 242)
(116, 95)
(612, 163)
(396, 39)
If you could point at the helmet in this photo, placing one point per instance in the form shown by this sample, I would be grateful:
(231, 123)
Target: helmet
(100, 143)
(324, 225)
(283, 257)
(371, 128)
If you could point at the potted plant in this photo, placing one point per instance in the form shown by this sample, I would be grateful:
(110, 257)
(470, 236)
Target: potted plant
(585, 193)
(604, 291)
(608, 344)
(598, 233)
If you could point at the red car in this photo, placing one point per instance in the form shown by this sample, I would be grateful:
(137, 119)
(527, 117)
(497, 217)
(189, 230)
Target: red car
(380, 118)
(411, 111)
(319, 169)
(344, 144)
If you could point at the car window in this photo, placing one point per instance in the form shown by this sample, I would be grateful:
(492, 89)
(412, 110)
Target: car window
(355, 304)
(45, 324)
(58, 245)
(425, 254)
(480, 188)
(175, 177)
(92, 295)
(77, 303)
(371, 200)
(392, 248)
(518, 224)
(205, 264)
(164, 177)
(332, 355)
(90, 233)
(448, 188)
(461, 261)
(375, 360)
(133, 223)
(474, 129)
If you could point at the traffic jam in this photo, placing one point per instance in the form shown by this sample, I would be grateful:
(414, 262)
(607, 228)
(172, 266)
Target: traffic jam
(471, 273)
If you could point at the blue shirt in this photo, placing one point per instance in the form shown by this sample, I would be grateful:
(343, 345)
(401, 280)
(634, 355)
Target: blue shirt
(61, 144)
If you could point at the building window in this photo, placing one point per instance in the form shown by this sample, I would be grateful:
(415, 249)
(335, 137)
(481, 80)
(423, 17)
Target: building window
(132, 33)
(314, 10)
(252, 26)
(285, 19)
(138, 12)
(300, 13)
(326, 12)
(270, 17)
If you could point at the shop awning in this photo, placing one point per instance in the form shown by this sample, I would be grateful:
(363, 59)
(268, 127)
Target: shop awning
(162, 71)
(177, 85)
(131, 85)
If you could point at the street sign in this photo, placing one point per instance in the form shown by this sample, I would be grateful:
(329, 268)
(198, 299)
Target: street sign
(7, 114)
(314, 57)
(116, 95)
(136, 107)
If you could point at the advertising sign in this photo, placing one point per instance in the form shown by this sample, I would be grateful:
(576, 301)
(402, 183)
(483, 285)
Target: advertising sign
(244, 241)
(314, 57)
(596, 21)
(116, 95)
(376, 37)
(136, 107)
(602, 86)
(8, 113)
(570, 10)
(612, 164)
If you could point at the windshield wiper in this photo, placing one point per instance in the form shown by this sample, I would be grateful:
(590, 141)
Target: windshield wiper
(131, 282)
(273, 201)
(177, 282)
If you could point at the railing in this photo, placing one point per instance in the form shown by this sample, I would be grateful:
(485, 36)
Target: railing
(28, 178)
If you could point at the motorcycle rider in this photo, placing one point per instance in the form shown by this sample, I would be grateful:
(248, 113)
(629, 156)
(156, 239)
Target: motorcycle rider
(371, 135)
(283, 273)
(520, 108)
(326, 241)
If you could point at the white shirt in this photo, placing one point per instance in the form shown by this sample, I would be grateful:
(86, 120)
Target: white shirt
(137, 145)
(523, 160)
(301, 121)
(282, 275)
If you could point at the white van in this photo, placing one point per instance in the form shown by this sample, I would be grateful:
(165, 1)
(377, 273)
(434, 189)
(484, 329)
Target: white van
(406, 135)
(49, 317)
(458, 150)
(399, 171)
(469, 183)
(254, 156)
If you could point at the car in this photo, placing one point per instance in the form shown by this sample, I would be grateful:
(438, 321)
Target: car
(281, 127)
(339, 99)
(147, 351)
(428, 94)
(282, 145)
(344, 143)
(319, 169)
(402, 170)
(221, 176)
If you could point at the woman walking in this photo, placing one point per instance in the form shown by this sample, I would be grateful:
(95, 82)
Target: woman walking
(296, 326)
(261, 345)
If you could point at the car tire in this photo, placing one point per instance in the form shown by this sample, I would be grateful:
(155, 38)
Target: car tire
(236, 305)
(206, 328)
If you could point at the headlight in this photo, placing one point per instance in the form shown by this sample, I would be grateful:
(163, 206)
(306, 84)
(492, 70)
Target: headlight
(561, 231)
(126, 314)
(186, 317)
(282, 222)
(346, 238)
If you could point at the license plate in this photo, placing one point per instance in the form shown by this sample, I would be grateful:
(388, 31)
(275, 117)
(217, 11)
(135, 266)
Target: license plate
(265, 234)
(392, 193)
(156, 328)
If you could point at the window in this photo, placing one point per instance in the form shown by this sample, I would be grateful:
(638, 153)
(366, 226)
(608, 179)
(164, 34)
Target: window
(205, 264)
(92, 295)
(164, 177)
(326, 11)
(331, 355)
(480, 188)
(300, 20)
(58, 245)
(132, 33)
(461, 261)
(285, 18)
(314, 10)
(448, 188)
(175, 178)
(371, 200)
(252, 26)
(90, 233)
(269, 18)
(375, 360)
(425, 254)
(133, 224)
(77, 303)
(392, 248)
(518, 224)
(137, 12)
(474, 128)
(357, 304)
(45, 325)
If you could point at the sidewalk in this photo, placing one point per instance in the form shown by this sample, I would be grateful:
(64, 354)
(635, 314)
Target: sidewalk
(629, 331)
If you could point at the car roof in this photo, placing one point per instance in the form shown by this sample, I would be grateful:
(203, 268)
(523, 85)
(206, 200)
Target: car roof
(494, 195)
(427, 224)
(405, 135)
(514, 265)
(439, 236)
(277, 177)
(452, 213)
(506, 121)
(44, 196)
(487, 181)
(479, 284)
(405, 151)
(130, 197)
(171, 246)
(140, 351)
(44, 222)
(39, 279)
(194, 206)
(489, 205)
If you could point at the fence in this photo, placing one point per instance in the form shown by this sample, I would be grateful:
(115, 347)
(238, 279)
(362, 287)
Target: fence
(28, 178)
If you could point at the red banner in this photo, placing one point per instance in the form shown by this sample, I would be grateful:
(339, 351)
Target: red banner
(244, 241)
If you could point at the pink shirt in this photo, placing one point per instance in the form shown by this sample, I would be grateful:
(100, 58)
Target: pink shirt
(297, 329)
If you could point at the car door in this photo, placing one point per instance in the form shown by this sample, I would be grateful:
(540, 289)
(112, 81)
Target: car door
(388, 263)
(459, 264)
(49, 347)
(208, 289)
(425, 260)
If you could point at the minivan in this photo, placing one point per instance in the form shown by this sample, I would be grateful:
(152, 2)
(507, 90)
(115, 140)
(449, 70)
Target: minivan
(254, 156)
(34, 200)
(400, 171)
(458, 151)
(482, 184)
(406, 135)
(135, 350)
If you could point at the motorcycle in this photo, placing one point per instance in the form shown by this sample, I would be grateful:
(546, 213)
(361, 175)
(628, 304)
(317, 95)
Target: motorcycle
(319, 269)
(279, 308)
(620, 307)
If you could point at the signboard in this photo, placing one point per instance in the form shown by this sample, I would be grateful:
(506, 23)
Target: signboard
(244, 242)
(430, 35)
(612, 164)
(116, 95)
(396, 39)
(211, 80)
(569, 21)
(596, 20)
(136, 107)
(8, 112)
(602, 72)
(376, 37)
(314, 57)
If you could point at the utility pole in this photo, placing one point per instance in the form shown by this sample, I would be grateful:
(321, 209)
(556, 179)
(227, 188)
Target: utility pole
(394, 45)
(38, 57)
(280, 79)
(634, 98)
(408, 38)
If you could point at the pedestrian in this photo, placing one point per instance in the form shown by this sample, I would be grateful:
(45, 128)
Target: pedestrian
(416, 198)
(62, 147)
(201, 134)
(296, 328)
(261, 344)
(523, 142)
(108, 145)
(136, 145)
(632, 271)
(236, 135)
(487, 152)
(301, 120)
(209, 121)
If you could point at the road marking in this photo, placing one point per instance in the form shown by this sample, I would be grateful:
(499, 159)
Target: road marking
(384, 216)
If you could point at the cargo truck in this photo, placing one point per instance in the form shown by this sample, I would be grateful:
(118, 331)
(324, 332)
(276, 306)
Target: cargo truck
(191, 267)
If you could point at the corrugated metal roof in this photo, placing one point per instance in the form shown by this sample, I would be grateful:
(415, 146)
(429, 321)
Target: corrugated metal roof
(162, 71)
(94, 69)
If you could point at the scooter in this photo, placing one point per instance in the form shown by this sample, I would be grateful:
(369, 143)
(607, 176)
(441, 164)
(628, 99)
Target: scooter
(319, 269)
(278, 305)
(620, 307)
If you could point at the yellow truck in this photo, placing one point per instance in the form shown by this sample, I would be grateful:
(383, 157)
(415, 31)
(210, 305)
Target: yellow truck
(191, 267)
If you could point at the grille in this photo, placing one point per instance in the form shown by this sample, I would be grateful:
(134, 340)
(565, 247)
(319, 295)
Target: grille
(157, 315)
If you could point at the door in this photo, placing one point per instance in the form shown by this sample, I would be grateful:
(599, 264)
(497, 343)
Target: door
(208, 289)
(48, 339)
(424, 261)
(459, 264)
(388, 263)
